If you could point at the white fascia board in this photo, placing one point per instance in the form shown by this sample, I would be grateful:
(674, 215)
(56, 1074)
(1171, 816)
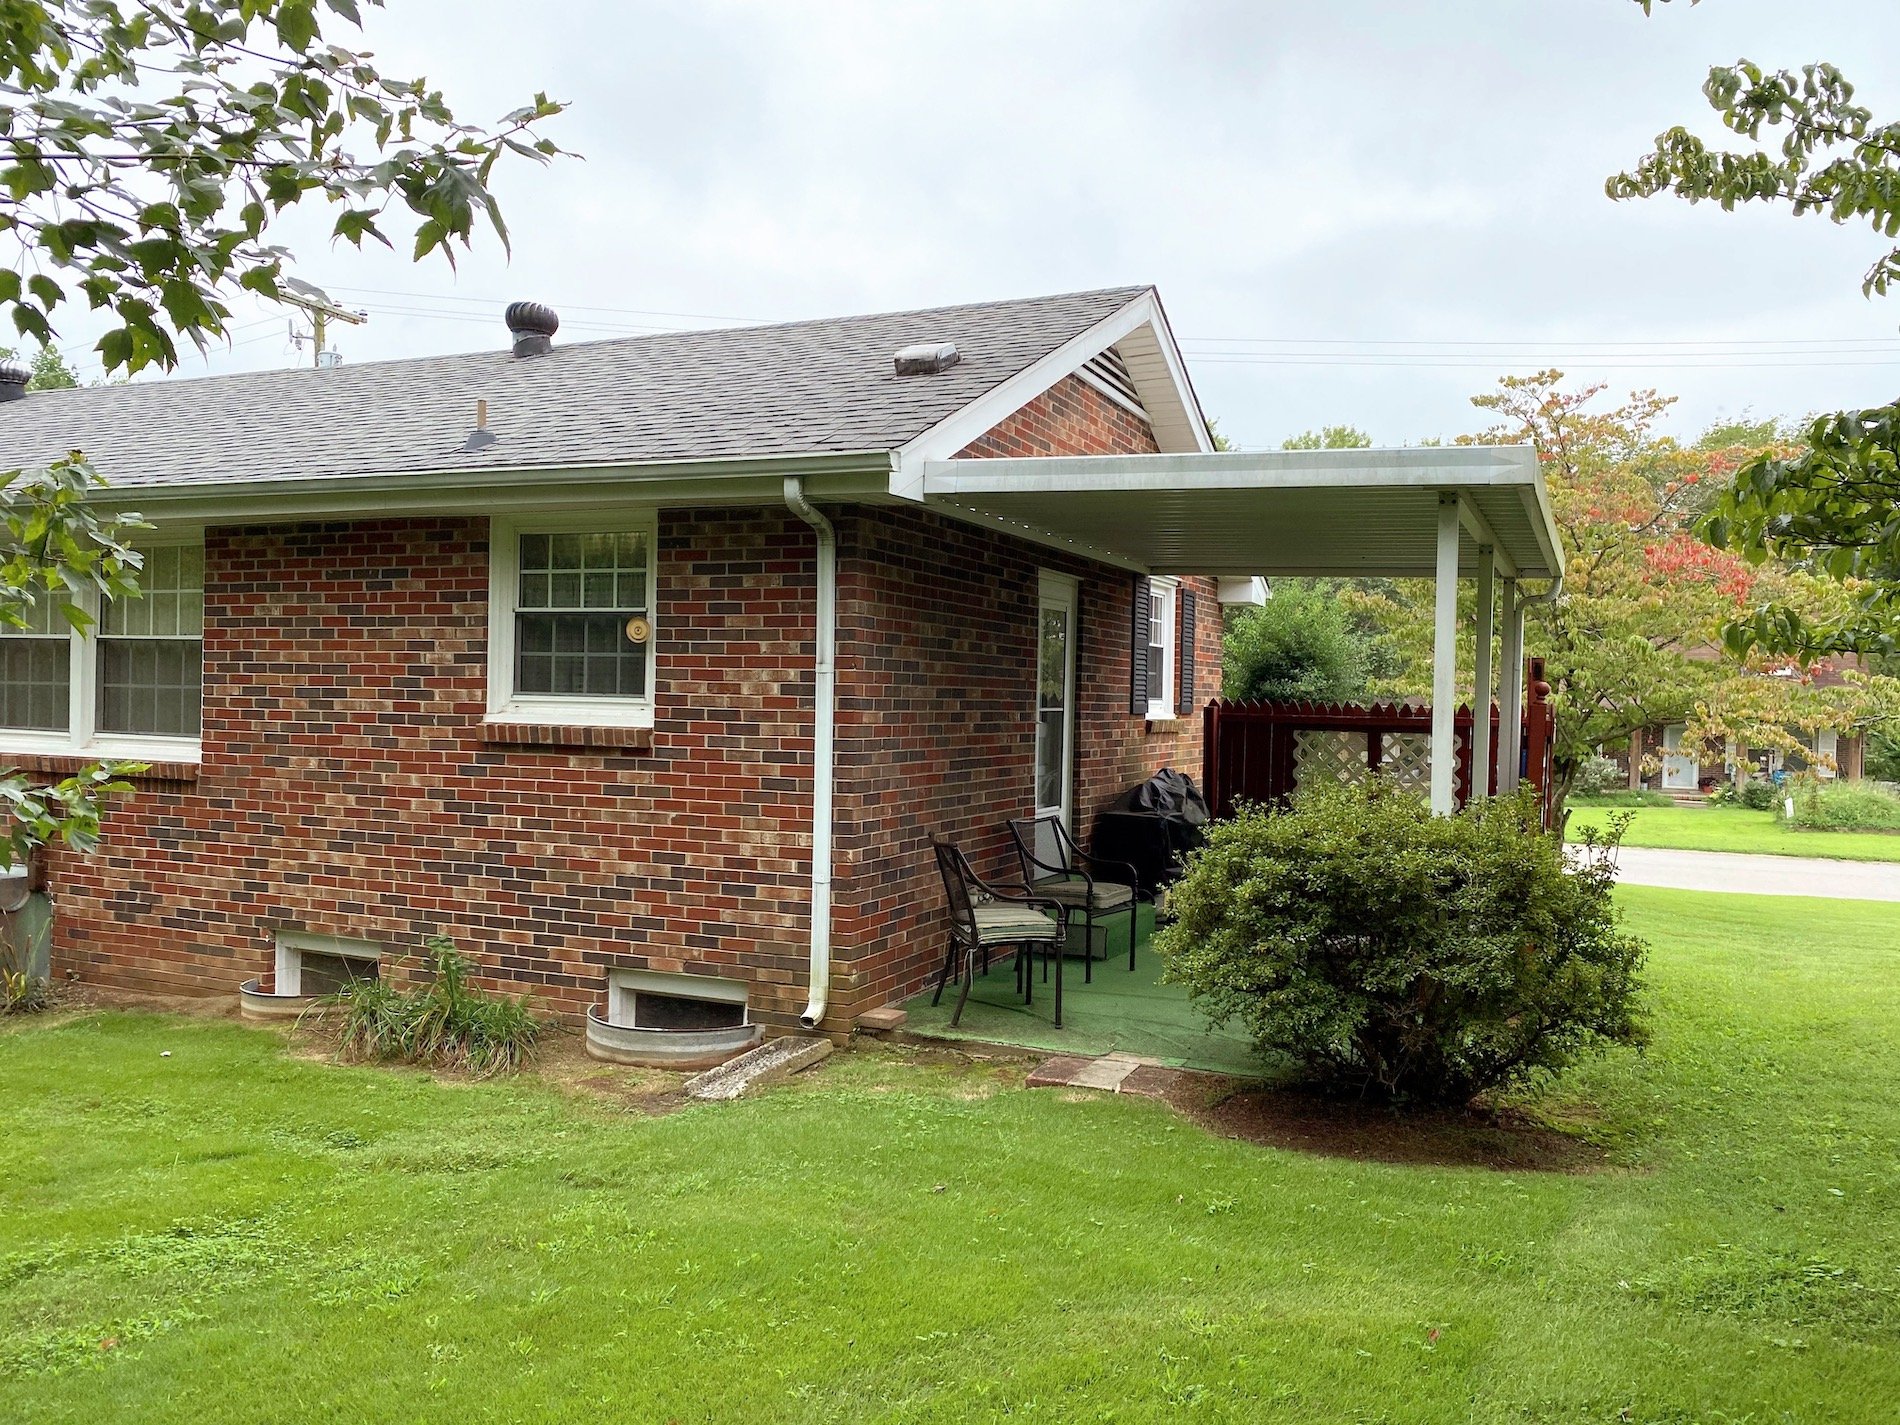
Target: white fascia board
(1179, 390)
(1409, 467)
(989, 410)
(749, 480)
(1536, 498)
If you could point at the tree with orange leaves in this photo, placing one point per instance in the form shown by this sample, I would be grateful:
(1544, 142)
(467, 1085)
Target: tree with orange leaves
(1635, 640)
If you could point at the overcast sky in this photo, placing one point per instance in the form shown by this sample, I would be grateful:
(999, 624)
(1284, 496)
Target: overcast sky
(1355, 212)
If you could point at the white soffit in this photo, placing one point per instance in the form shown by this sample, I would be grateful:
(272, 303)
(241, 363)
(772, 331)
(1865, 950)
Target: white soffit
(1342, 513)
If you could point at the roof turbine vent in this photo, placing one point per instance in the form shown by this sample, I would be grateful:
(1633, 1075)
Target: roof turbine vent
(533, 326)
(13, 379)
(926, 358)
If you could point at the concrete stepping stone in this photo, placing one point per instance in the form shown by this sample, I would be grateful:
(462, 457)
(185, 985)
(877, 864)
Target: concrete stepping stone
(1074, 1071)
(772, 1061)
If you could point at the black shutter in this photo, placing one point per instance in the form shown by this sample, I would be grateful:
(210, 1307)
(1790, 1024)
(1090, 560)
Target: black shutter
(1138, 652)
(1184, 691)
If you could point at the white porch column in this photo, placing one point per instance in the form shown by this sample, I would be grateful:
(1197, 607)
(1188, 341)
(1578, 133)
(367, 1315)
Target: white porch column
(1511, 691)
(1481, 693)
(1445, 660)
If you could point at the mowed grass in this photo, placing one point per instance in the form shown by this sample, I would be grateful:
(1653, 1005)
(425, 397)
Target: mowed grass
(236, 1234)
(1733, 829)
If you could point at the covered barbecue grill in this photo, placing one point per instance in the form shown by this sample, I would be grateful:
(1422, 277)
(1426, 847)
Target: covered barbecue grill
(1152, 826)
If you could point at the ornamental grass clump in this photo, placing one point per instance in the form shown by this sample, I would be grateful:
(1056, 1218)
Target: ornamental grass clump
(1425, 959)
(446, 1022)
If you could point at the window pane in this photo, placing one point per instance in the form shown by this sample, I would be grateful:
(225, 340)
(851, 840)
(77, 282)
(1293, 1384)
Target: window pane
(172, 605)
(151, 686)
(34, 677)
(583, 654)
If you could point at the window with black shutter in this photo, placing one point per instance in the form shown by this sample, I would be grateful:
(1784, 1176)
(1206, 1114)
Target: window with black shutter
(1185, 702)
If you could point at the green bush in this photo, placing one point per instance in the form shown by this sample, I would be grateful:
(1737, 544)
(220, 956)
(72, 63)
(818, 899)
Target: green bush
(1759, 795)
(1844, 806)
(1598, 775)
(1425, 958)
(446, 1022)
(1301, 645)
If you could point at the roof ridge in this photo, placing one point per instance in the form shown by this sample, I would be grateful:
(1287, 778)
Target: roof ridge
(631, 339)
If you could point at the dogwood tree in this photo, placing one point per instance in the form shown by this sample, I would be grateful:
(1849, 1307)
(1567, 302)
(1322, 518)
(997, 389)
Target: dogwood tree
(1635, 641)
(146, 150)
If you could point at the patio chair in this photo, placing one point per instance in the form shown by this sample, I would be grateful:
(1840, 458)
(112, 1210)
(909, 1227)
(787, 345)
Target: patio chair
(1055, 868)
(984, 918)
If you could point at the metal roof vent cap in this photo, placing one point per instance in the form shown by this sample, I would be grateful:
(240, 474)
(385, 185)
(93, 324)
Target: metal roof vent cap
(13, 379)
(926, 358)
(533, 326)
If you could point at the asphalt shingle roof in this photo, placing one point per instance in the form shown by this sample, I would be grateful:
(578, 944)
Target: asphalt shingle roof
(815, 387)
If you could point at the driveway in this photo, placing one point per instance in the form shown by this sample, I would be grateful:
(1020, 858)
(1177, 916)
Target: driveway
(1759, 875)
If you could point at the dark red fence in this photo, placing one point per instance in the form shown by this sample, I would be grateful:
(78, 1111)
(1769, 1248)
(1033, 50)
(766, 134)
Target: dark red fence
(1260, 752)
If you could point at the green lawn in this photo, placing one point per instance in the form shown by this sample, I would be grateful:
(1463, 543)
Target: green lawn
(1734, 829)
(237, 1234)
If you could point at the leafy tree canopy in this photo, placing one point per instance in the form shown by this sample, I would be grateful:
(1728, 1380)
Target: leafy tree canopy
(1812, 149)
(51, 371)
(146, 148)
(1302, 645)
(1328, 438)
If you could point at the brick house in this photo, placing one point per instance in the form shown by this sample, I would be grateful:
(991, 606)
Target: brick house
(533, 648)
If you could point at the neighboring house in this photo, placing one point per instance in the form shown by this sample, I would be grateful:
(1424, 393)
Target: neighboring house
(1656, 758)
(530, 649)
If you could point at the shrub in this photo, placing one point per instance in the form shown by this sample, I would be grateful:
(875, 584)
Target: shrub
(445, 1022)
(1759, 795)
(1598, 775)
(1382, 948)
(1301, 644)
(1844, 806)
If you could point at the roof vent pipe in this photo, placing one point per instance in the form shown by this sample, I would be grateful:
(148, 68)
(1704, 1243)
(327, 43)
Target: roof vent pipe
(533, 326)
(13, 379)
(926, 358)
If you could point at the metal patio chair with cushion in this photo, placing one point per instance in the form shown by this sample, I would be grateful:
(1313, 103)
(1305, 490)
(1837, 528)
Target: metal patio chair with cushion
(1055, 868)
(984, 918)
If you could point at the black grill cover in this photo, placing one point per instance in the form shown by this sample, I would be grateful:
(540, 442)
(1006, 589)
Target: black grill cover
(1152, 826)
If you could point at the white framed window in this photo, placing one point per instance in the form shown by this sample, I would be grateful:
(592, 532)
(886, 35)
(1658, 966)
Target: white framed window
(652, 999)
(570, 619)
(323, 964)
(1163, 616)
(132, 685)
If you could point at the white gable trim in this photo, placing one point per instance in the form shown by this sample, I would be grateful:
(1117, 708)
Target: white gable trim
(1147, 344)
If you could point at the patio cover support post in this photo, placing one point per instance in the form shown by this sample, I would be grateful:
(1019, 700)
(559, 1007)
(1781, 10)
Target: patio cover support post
(1445, 660)
(1481, 681)
(1511, 692)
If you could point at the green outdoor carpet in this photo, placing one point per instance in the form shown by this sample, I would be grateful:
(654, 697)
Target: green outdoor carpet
(1133, 1013)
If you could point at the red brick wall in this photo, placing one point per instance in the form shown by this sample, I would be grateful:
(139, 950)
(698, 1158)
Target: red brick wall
(1070, 418)
(346, 787)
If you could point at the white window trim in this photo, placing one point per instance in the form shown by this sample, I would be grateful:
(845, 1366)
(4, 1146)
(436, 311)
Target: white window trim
(82, 737)
(292, 944)
(1162, 709)
(504, 559)
(623, 985)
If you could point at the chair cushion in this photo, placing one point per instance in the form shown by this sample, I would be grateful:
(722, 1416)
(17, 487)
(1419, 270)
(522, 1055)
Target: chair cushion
(1000, 924)
(1109, 895)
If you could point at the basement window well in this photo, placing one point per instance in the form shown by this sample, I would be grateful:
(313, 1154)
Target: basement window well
(308, 968)
(657, 1019)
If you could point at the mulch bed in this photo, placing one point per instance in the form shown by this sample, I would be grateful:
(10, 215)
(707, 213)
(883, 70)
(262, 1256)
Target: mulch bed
(1307, 1122)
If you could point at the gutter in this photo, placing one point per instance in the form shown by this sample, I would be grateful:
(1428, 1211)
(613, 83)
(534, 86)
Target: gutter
(824, 715)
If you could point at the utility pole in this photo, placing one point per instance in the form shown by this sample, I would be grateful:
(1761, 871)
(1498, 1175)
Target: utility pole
(323, 311)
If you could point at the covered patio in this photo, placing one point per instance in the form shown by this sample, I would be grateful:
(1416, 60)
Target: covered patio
(1446, 513)
(1457, 514)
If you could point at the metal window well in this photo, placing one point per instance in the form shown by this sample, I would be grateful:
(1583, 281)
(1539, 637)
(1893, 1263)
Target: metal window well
(308, 969)
(662, 1021)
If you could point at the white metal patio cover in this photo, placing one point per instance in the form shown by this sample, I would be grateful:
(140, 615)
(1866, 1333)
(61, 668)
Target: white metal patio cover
(1436, 512)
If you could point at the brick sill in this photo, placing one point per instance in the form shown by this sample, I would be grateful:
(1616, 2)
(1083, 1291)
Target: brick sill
(553, 737)
(65, 764)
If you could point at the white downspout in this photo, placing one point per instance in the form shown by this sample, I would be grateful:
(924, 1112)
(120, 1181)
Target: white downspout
(824, 712)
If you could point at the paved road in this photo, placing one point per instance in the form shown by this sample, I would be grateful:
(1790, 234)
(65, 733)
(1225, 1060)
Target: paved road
(1759, 875)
